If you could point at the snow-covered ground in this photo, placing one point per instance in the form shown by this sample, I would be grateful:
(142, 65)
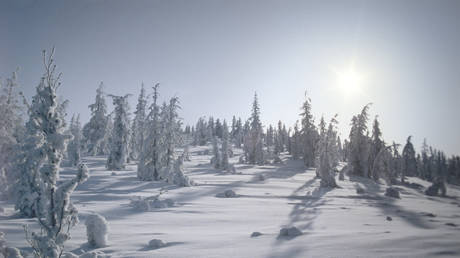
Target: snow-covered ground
(334, 223)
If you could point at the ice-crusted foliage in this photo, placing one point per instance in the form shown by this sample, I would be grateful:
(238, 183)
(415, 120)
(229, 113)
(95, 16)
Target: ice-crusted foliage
(176, 175)
(309, 134)
(120, 134)
(328, 155)
(95, 130)
(216, 159)
(359, 143)
(149, 165)
(97, 229)
(376, 145)
(383, 164)
(163, 133)
(225, 164)
(170, 132)
(74, 146)
(11, 129)
(253, 140)
(409, 162)
(44, 145)
(8, 251)
(55, 214)
(138, 126)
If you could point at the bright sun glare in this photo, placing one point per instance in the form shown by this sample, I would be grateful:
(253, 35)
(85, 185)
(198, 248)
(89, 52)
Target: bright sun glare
(349, 80)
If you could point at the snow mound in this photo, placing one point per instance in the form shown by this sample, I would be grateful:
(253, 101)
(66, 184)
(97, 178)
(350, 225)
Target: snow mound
(156, 243)
(94, 254)
(389, 218)
(114, 173)
(392, 192)
(256, 234)
(6, 251)
(290, 232)
(227, 194)
(149, 203)
(69, 255)
(360, 190)
(261, 177)
(97, 230)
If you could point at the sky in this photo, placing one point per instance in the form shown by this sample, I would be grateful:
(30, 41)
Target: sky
(214, 55)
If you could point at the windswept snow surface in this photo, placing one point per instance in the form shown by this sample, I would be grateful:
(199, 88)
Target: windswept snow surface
(334, 222)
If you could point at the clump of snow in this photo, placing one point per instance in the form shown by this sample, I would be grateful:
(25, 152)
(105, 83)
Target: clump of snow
(227, 194)
(94, 254)
(256, 234)
(360, 190)
(277, 160)
(435, 188)
(69, 255)
(392, 192)
(6, 251)
(149, 203)
(289, 232)
(97, 230)
(389, 218)
(156, 243)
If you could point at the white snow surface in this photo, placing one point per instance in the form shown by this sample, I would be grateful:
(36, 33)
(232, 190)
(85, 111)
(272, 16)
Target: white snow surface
(334, 222)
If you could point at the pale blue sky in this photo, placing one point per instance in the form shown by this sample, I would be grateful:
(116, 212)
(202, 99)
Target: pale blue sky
(214, 54)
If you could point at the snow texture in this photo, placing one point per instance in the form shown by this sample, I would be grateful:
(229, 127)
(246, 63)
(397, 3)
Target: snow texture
(97, 230)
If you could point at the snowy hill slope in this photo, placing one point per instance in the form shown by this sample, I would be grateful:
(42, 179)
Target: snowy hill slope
(334, 223)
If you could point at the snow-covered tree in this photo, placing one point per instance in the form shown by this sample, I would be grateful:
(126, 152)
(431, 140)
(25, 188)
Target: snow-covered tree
(11, 130)
(376, 145)
(253, 141)
(137, 129)
(120, 134)
(149, 165)
(408, 158)
(309, 134)
(171, 134)
(39, 163)
(216, 159)
(95, 130)
(328, 154)
(225, 147)
(359, 143)
(296, 142)
(74, 146)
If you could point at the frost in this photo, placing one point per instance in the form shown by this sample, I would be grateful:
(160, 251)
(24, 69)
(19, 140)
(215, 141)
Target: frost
(97, 229)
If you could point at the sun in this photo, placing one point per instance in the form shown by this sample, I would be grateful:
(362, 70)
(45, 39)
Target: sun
(349, 80)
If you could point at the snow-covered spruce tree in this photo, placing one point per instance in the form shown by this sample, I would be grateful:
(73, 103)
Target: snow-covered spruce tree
(39, 166)
(120, 134)
(74, 146)
(41, 152)
(55, 214)
(269, 139)
(383, 164)
(218, 129)
(396, 164)
(296, 145)
(359, 143)
(408, 160)
(225, 147)
(237, 133)
(309, 134)
(201, 132)
(137, 129)
(96, 130)
(149, 165)
(171, 135)
(11, 130)
(377, 144)
(216, 159)
(328, 155)
(253, 141)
